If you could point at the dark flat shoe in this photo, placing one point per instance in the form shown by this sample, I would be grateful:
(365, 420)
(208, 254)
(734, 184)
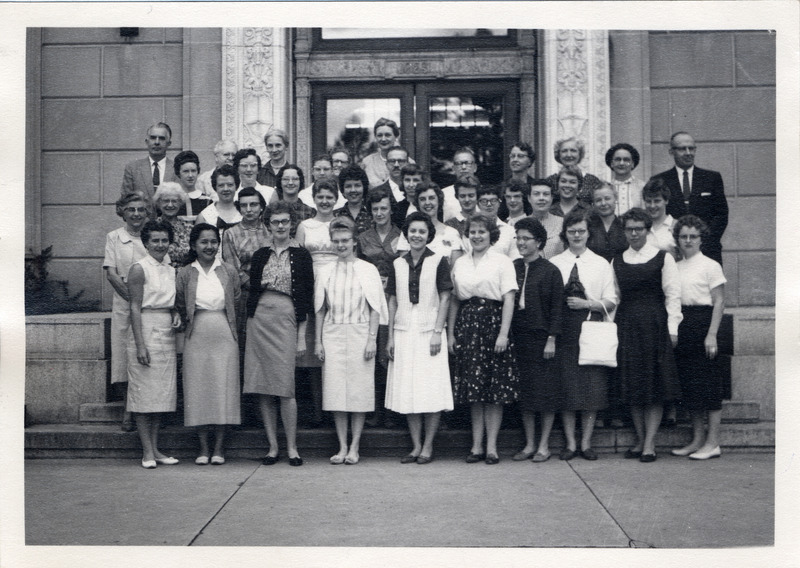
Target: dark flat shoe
(567, 455)
(492, 459)
(647, 458)
(475, 458)
(522, 456)
(296, 462)
(589, 454)
(408, 459)
(271, 460)
(422, 460)
(632, 455)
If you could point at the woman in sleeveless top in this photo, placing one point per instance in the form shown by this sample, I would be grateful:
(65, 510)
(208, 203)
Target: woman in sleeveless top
(152, 384)
(418, 383)
(648, 317)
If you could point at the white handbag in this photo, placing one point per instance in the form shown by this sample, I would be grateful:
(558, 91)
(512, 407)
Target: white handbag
(598, 342)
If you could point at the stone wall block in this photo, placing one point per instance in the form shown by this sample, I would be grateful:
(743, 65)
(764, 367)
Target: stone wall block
(70, 177)
(744, 232)
(725, 114)
(105, 124)
(78, 231)
(660, 123)
(54, 390)
(755, 58)
(99, 35)
(81, 274)
(755, 168)
(143, 70)
(70, 71)
(754, 379)
(754, 334)
(730, 266)
(72, 336)
(757, 278)
(689, 60)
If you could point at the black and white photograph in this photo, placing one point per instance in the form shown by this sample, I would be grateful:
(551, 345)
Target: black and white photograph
(257, 276)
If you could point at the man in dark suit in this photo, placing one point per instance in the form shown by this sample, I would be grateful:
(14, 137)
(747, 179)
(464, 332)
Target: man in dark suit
(704, 196)
(145, 175)
(396, 159)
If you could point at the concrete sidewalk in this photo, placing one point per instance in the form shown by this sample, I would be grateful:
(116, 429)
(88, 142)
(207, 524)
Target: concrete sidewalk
(612, 502)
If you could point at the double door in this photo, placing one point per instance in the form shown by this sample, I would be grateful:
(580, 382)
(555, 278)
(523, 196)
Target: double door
(435, 119)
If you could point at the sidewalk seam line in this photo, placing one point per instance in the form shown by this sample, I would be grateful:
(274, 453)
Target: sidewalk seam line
(613, 518)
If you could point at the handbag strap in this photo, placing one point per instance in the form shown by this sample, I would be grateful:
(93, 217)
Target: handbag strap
(589, 316)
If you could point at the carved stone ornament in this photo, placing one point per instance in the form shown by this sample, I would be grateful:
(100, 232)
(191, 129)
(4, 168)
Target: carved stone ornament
(576, 94)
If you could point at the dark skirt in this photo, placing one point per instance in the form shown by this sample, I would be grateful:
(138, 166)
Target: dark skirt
(583, 387)
(480, 374)
(269, 356)
(540, 386)
(701, 377)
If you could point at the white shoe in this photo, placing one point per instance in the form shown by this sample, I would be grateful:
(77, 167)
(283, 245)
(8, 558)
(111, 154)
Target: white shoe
(715, 453)
(217, 460)
(149, 464)
(201, 460)
(167, 461)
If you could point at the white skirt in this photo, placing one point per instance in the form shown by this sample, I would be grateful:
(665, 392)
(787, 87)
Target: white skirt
(348, 380)
(153, 388)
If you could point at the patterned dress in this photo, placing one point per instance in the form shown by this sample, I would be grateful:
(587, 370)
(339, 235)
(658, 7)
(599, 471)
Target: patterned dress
(178, 250)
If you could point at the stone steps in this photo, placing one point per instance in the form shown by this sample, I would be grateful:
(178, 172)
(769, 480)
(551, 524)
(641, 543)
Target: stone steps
(108, 441)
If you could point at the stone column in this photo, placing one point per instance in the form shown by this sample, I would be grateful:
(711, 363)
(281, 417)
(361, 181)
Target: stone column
(256, 84)
(576, 95)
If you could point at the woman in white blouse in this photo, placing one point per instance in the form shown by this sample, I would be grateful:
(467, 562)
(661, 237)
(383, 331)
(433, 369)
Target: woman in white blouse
(622, 159)
(648, 317)
(152, 382)
(588, 290)
(207, 291)
(478, 325)
(702, 303)
(656, 199)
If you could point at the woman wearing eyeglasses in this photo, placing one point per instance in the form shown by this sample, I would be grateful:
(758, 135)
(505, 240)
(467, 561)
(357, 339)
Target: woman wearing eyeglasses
(622, 159)
(588, 291)
(281, 298)
(648, 317)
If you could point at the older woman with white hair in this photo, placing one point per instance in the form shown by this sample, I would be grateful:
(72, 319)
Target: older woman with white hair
(570, 152)
(170, 198)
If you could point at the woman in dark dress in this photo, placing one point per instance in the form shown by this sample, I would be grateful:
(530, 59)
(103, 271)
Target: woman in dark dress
(588, 289)
(535, 326)
(648, 317)
(606, 235)
(702, 304)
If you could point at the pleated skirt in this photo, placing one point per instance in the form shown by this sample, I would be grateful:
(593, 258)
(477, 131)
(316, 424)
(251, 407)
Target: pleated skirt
(211, 372)
(269, 356)
(153, 388)
(348, 380)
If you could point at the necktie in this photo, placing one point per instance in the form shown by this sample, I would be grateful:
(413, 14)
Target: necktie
(687, 189)
(156, 175)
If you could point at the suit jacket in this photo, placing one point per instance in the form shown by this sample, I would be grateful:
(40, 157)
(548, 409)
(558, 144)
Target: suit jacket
(186, 294)
(139, 177)
(707, 201)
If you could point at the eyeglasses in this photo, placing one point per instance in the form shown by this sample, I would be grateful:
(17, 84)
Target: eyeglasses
(685, 148)
(488, 201)
(576, 232)
(464, 164)
(136, 209)
(635, 229)
(689, 237)
(280, 222)
(397, 161)
(340, 162)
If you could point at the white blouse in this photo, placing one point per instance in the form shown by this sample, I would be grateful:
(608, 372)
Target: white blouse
(159, 283)
(699, 275)
(670, 282)
(210, 294)
(660, 236)
(594, 271)
(490, 277)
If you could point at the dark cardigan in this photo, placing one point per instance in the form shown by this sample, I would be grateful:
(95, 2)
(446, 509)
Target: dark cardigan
(302, 281)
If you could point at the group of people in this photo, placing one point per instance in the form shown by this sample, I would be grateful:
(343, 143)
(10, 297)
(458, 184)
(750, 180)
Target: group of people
(393, 294)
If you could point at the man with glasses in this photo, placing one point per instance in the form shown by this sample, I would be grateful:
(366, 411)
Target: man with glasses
(224, 152)
(322, 168)
(396, 158)
(340, 159)
(696, 191)
(464, 163)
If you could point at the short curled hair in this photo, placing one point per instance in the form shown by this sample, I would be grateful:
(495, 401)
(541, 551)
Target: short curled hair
(489, 189)
(156, 226)
(279, 133)
(225, 170)
(578, 143)
(279, 178)
(242, 154)
(656, 187)
(623, 146)
(693, 222)
(535, 228)
(419, 216)
(571, 171)
(431, 186)
(574, 217)
(170, 188)
(527, 148)
(195, 234)
(355, 173)
(278, 208)
(516, 186)
(488, 223)
(250, 192)
(377, 195)
(221, 144)
(605, 185)
(342, 223)
(412, 170)
(130, 198)
(636, 214)
(185, 157)
(386, 122)
(325, 183)
(467, 180)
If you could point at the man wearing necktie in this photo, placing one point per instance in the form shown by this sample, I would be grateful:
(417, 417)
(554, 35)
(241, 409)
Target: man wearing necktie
(144, 175)
(696, 191)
